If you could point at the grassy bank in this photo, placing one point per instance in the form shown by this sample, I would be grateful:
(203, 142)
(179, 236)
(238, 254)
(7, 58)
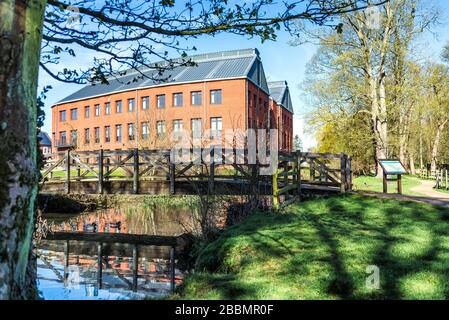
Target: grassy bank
(374, 184)
(320, 249)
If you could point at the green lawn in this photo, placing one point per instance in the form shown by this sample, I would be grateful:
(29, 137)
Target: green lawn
(374, 184)
(320, 249)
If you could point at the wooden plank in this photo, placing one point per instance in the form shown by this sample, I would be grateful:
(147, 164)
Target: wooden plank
(136, 172)
(105, 237)
(135, 267)
(172, 269)
(85, 166)
(66, 260)
(67, 172)
(275, 190)
(172, 178)
(109, 249)
(100, 265)
(342, 174)
(100, 171)
(287, 188)
(320, 155)
(50, 169)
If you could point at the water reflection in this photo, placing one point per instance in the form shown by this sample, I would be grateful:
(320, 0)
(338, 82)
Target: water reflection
(133, 220)
(78, 275)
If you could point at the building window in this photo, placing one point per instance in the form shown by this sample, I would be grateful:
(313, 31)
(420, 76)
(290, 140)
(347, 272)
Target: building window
(87, 136)
(118, 133)
(131, 135)
(97, 134)
(62, 116)
(177, 129)
(107, 108)
(160, 127)
(215, 96)
(74, 137)
(130, 105)
(161, 101)
(197, 98)
(118, 106)
(74, 114)
(145, 130)
(216, 126)
(97, 110)
(62, 138)
(145, 103)
(177, 99)
(196, 128)
(86, 112)
(107, 134)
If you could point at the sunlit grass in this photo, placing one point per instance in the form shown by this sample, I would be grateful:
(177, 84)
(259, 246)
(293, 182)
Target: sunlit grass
(320, 249)
(374, 184)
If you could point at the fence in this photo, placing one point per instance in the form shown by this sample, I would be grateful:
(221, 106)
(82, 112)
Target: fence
(152, 171)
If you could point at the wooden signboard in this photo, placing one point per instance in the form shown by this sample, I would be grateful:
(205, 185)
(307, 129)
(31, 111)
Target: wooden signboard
(392, 167)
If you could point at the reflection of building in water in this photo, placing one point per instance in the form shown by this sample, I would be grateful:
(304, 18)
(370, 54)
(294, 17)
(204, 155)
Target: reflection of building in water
(157, 221)
(153, 274)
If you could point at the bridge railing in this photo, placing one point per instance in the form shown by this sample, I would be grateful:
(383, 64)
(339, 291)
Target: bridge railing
(292, 172)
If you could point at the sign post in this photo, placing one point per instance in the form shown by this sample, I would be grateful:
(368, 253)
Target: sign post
(392, 167)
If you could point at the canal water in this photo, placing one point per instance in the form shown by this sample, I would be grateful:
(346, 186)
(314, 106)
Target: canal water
(79, 281)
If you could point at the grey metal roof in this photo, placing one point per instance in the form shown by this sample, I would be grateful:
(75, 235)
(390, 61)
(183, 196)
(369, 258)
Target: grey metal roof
(212, 66)
(280, 93)
(44, 139)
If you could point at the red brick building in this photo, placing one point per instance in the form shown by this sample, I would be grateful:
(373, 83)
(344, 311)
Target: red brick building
(281, 110)
(223, 90)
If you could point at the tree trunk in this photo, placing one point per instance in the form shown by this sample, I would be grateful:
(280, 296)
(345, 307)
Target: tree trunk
(412, 164)
(20, 39)
(379, 112)
(421, 157)
(436, 146)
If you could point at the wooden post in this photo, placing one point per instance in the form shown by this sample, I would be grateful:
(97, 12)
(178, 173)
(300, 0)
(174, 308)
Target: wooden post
(399, 183)
(342, 173)
(136, 172)
(211, 183)
(312, 171)
(172, 270)
(275, 189)
(108, 161)
(100, 171)
(255, 178)
(172, 177)
(298, 172)
(66, 261)
(447, 186)
(349, 173)
(135, 267)
(385, 183)
(100, 265)
(67, 172)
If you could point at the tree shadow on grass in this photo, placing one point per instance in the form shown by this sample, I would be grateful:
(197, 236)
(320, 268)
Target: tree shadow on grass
(328, 243)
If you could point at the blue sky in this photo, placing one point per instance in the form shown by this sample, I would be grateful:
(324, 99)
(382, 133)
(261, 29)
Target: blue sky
(281, 62)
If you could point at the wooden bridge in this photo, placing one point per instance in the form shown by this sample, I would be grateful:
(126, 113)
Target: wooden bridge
(114, 244)
(230, 173)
